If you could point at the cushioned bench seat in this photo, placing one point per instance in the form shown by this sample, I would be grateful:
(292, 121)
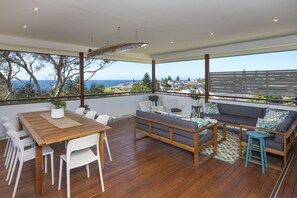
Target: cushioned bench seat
(246, 118)
(175, 131)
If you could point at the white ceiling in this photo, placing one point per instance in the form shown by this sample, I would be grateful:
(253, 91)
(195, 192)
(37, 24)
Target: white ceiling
(66, 27)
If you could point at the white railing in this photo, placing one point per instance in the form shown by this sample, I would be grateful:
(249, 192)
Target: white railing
(118, 106)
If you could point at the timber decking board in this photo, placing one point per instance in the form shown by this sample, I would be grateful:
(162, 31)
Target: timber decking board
(148, 168)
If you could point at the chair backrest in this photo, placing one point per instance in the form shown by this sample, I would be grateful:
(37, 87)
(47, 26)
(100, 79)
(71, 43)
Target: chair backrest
(82, 143)
(170, 102)
(41, 108)
(91, 115)
(103, 119)
(80, 110)
(145, 106)
(9, 126)
(16, 141)
(154, 98)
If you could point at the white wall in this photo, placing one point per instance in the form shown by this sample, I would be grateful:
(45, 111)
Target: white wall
(112, 106)
(117, 106)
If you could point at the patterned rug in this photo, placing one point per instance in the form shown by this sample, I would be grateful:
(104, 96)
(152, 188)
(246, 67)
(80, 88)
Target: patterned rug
(228, 150)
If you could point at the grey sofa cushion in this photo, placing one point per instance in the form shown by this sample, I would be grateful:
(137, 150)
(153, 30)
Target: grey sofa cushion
(284, 126)
(179, 122)
(160, 132)
(232, 119)
(183, 133)
(269, 142)
(244, 111)
(149, 115)
(142, 126)
(190, 142)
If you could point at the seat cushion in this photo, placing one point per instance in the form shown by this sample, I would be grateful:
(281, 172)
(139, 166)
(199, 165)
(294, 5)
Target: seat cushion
(243, 111)
(232, 119)
(190, 142)
(269, 142)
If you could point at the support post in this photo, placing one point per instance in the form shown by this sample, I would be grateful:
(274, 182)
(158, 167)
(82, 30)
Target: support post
(153, 76)
(81, 79)
(206, 58)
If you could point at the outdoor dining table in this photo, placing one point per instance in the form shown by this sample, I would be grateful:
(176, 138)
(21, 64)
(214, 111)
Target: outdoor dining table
(45, 131)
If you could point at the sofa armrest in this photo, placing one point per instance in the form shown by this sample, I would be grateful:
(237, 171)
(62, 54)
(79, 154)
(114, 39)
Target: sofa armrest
(287, 134)
(261, 129)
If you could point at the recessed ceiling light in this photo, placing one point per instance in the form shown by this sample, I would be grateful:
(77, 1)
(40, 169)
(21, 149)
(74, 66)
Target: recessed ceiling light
(211, 33)
(275, 20)
(25, 26)
(171, 42)
(36, 9)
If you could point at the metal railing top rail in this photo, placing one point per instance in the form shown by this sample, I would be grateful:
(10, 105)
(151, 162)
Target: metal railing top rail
(39, 99)
(18, 101)
(253, 98)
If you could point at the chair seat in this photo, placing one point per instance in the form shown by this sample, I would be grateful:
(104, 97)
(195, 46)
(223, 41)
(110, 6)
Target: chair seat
(23, 133)
(27, 141)
(81, 158)
(30, 153)
(257, 134)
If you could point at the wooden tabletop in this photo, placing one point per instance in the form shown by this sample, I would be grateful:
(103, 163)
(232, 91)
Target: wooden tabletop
(44, 132)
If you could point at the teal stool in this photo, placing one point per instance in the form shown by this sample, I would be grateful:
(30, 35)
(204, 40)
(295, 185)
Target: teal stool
(262, 150)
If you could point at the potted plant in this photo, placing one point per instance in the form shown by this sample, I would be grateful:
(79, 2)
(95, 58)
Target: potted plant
(60, 105)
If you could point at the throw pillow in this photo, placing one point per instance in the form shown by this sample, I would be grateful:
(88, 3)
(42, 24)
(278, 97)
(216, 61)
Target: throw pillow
(275, 114)
(201, 123)
(268, 124)
(211, 108)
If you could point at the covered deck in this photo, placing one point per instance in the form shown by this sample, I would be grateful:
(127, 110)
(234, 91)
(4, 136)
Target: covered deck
(151, 168)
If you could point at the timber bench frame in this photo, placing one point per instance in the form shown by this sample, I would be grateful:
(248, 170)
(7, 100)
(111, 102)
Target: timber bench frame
(288, 139)
(195, 149)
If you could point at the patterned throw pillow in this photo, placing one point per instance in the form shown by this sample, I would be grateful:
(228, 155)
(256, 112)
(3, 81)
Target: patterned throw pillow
(275, 114)
(211, 108)
(201, 123)
(268, 124)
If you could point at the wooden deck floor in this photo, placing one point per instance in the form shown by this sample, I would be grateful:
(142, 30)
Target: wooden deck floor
(151, 168)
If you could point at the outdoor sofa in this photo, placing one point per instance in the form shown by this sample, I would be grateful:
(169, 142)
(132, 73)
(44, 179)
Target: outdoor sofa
(245, 117)
(176, 131)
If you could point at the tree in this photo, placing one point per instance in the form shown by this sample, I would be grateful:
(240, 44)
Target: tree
(72, 86)
(189, 79)
(169, 77)
(95, 89)
(165, 84)
(146, 81)
(64, 69)
(177, 78)
(139, 87)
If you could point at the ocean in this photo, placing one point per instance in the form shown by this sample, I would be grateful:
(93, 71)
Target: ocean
(46, 84)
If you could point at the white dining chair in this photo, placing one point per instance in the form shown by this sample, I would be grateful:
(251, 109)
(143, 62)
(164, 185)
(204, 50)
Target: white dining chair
(145, 105)
(78, 153)
(103, 119)
(23, 156)
(21, 134)
(5, 119)
(80, 110)
(91, 114)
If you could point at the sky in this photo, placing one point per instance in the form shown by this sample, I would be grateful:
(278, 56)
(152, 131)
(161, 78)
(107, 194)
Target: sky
(195, 69)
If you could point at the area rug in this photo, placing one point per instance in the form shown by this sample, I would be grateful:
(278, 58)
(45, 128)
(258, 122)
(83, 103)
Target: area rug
(228, 150)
